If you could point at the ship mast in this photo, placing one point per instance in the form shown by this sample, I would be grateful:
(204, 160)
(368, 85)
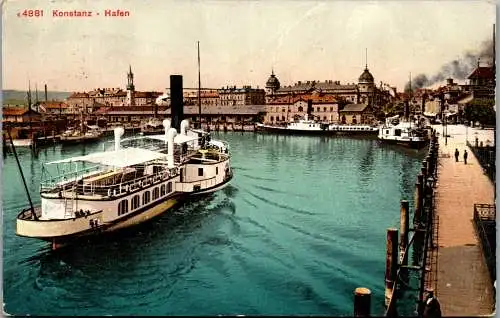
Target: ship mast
(199, 86)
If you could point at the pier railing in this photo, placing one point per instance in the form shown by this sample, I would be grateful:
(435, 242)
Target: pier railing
(486, 155)
(423, 244)
(485, 224)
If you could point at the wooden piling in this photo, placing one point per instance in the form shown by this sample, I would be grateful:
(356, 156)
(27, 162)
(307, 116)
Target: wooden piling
(419, 200)
(362, 302)
(391, 263)
(403, 239)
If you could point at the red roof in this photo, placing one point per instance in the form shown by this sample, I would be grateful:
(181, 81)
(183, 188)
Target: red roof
(483, 72)
(14, 111)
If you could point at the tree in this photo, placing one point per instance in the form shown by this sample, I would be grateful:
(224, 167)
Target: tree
(482, 111)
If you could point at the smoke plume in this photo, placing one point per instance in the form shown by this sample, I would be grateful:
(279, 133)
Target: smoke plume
(458, 69)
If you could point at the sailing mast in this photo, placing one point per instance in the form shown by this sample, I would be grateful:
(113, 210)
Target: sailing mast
(199, 86)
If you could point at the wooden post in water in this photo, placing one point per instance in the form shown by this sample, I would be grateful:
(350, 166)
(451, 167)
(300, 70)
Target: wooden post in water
(391, 263)
(362, 302)
(417, 217)
(403, 244)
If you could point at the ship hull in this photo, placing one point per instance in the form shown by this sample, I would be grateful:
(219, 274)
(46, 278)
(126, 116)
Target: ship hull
(287, 131)
(325, 132)
(78, 140)
(413, 144)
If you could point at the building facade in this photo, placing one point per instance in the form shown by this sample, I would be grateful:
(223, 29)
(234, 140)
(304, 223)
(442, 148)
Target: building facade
(79, 101)
(287, 109)
(364, 92)
(232, 96)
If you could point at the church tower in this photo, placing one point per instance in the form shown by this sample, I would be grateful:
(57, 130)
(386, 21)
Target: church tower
(130, 88)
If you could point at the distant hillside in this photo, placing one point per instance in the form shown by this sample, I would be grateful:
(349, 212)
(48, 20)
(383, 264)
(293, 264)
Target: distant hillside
(14, 96)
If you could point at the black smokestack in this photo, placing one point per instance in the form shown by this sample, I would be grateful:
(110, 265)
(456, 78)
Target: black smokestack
(309, 107)
(424, 97)
(176, 101)
(46, 93)
(407, 109)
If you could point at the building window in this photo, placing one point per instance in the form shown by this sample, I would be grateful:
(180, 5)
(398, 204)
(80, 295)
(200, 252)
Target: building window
(331, 109)
(324, 109)
(169, 187)
(200, 172)
(216, 170)
(156, 193)
(317, 109)
(272, 118)
(122, 207)
(146, 196)
(135, 202)
(283, 118)
(162, 190)
(301, 109)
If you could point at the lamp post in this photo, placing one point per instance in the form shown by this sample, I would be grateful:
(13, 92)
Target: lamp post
(466, 132)
(446, 131)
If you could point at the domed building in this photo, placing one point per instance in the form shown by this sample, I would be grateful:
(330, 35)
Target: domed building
(366, 86)
(272, 85)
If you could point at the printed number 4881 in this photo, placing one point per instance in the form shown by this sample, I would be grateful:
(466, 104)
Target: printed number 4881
(32, 13)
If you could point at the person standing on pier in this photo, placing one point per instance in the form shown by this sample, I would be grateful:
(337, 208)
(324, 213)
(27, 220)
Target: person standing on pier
(456, 154)
(465, 157)
(432, 307)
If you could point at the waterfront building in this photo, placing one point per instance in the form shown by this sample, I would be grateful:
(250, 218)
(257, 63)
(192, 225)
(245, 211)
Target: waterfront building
(19, 115)
(77, 101)
(210, 114)
(54, 108)
(364, 92)
(285, 109)
(232, 96)
(354, 114)
(208, 97)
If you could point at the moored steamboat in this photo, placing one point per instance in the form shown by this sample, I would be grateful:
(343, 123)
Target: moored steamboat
(111, 190)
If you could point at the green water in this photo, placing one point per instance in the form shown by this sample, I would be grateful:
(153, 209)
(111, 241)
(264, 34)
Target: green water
(302, 224)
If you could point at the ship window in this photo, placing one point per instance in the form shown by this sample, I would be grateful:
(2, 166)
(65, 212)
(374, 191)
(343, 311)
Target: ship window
(135, 202)
(216, 170)
(162, 190)
(122, 207)
(146, 196)
(156, 193)
(200, 172)
(169, 187)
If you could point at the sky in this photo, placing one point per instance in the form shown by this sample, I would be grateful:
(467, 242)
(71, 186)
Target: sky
(241, 42)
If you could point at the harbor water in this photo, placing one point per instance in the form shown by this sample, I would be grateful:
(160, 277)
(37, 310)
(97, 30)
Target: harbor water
(302, 224)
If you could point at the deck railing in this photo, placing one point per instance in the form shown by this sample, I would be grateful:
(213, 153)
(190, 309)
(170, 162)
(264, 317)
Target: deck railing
(485, 224)
(486, 155)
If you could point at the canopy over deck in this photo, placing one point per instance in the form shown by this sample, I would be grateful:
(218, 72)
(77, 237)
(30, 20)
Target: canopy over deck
(117, 158)
(178, 139)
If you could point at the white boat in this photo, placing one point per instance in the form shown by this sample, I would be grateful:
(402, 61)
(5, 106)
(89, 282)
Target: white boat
(74, 136)
(403, 132)
(313, 127)
(107, 191)
(152, 126)
(356, 129)
(302, 126)
(22, 142)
